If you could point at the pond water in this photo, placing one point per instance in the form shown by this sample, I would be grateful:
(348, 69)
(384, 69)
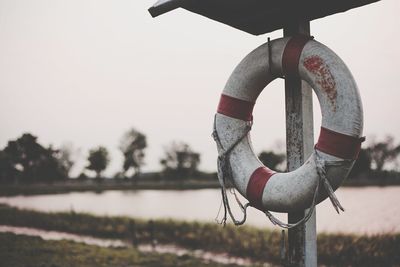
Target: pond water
(369, 210)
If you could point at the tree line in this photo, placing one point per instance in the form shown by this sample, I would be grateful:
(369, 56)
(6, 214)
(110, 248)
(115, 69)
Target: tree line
(379, 160)
(25, 160)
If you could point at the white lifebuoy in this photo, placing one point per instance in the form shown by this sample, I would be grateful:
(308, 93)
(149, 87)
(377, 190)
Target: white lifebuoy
(341, 130)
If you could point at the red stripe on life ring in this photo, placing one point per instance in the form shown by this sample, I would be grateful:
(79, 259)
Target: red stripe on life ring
(292, 53)
(235, 108)
(256, 185)
(338, 144)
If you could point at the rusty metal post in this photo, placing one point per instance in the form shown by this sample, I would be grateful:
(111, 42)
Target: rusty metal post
(302, 244)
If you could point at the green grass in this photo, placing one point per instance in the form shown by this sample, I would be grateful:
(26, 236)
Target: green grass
(204, 236)
(258, 244)
(25, 251)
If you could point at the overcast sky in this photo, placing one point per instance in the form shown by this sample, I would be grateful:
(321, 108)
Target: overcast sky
(85, 71)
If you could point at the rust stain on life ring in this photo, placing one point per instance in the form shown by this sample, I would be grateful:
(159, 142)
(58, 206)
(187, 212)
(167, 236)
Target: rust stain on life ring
(324, 78)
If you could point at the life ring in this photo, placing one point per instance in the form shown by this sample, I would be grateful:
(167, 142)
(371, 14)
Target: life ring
(341, 129)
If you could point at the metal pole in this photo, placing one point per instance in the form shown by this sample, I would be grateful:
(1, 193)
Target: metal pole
(302, 243)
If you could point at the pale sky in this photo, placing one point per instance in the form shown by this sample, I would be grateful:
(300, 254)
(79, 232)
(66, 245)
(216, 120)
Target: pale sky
(85, 71)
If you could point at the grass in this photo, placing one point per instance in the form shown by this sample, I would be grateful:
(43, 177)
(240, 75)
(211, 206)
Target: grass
(255, 243)
(206, 236)
(25, 251)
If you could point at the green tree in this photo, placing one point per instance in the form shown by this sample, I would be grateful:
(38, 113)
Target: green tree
(132, 146)
(180, 160)
(8, 171)
(25, 160)
(98, 160)
(271, 159)
(383, 152)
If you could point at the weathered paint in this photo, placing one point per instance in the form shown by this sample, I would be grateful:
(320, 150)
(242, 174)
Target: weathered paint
(327, 83)
(292, 191)
(256, 185)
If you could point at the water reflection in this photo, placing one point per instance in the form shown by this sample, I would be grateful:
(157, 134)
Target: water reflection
(371, 210)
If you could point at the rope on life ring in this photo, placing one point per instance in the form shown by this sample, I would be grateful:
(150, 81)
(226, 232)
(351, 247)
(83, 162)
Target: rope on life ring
(334, 154)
